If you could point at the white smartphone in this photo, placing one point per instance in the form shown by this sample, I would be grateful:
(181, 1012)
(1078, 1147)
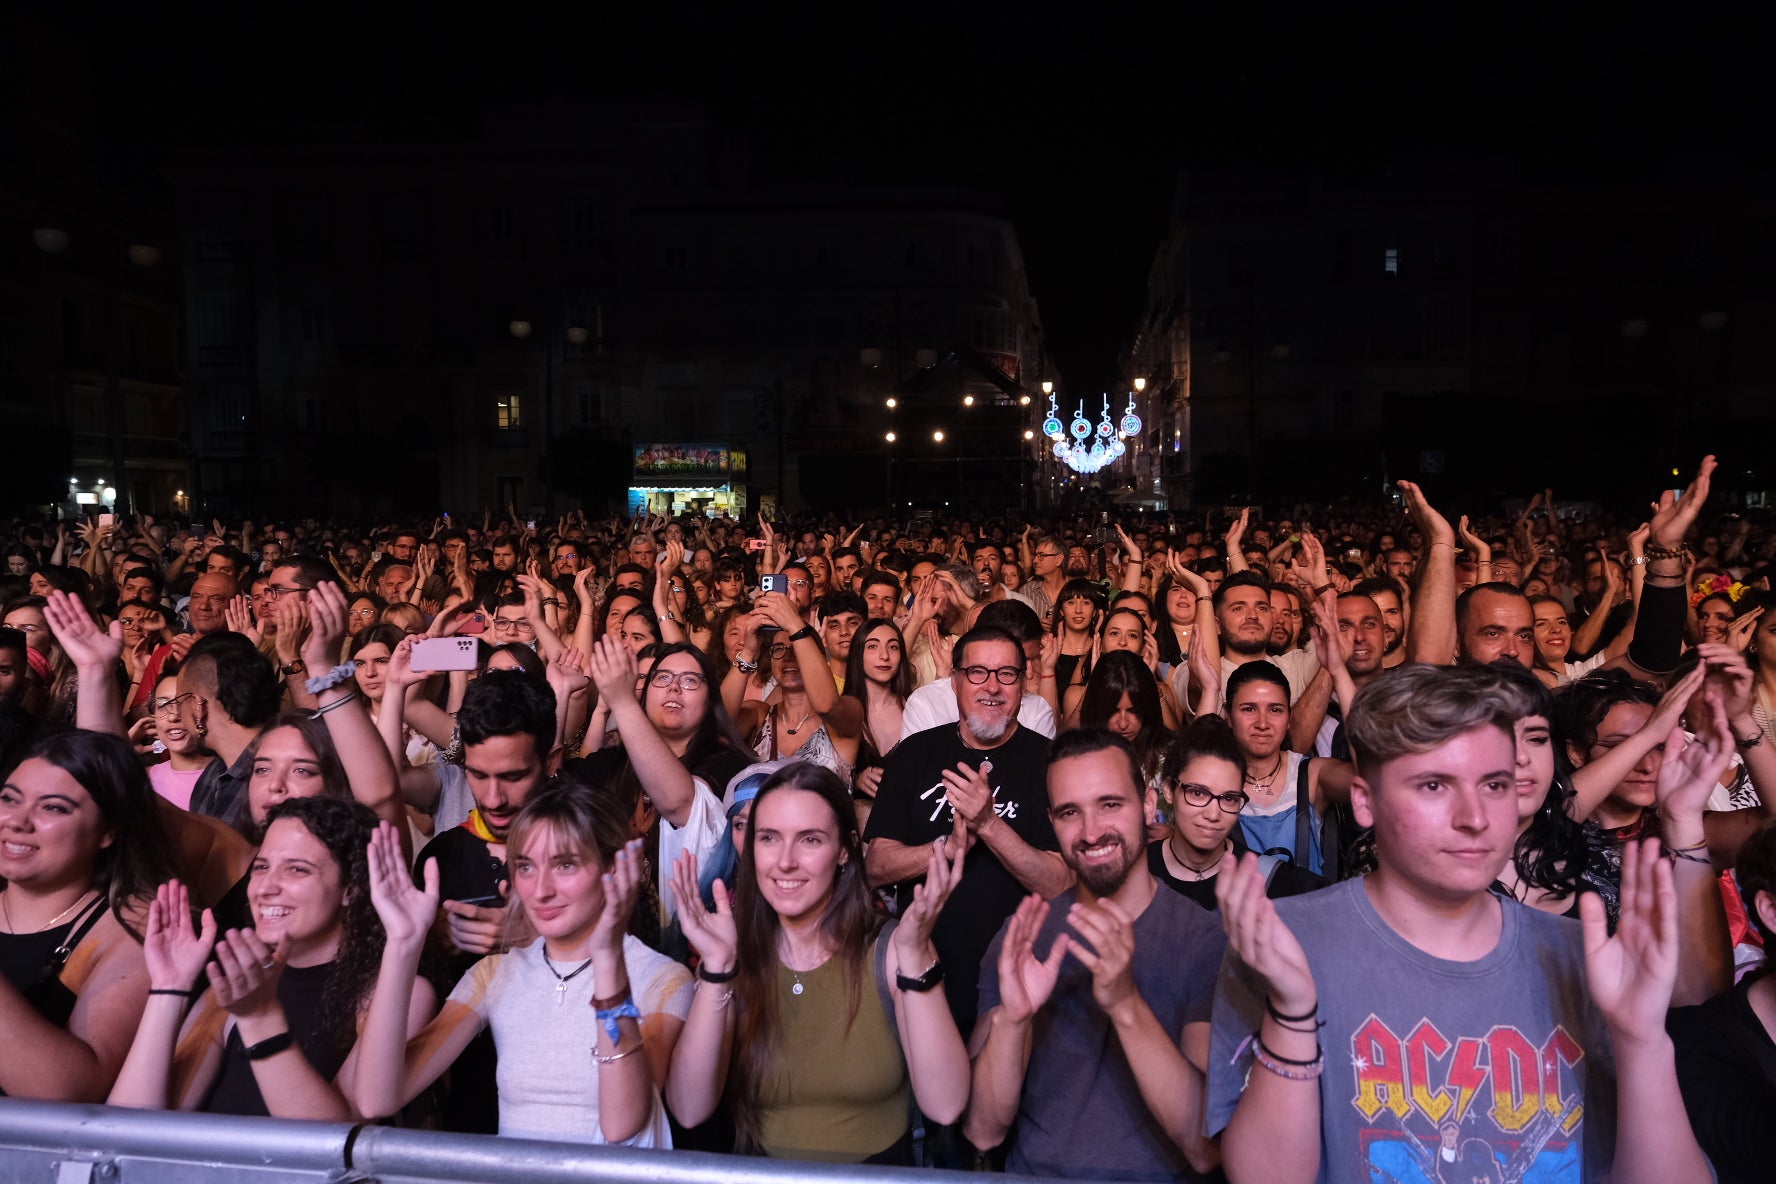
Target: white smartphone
(444, 653)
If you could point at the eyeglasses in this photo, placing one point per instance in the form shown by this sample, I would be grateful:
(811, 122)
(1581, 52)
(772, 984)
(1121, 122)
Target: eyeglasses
(1048, 554)
(798, 583)
(1007, 675)
(510, 624)
(366, 613)
(273, 591)
(688, 681)
(170, 706)
(1198, 795)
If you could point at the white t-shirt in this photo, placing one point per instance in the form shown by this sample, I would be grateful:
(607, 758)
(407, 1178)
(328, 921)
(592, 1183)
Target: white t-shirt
(455, 798)
(548, 1085)
(707, 826)
(934, 705)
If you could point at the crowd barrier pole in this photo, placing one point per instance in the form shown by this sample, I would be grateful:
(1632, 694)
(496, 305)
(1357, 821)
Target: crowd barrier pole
(56, 1143)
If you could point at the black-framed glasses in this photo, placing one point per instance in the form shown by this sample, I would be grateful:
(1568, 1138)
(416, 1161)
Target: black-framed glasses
(171, 705)
(780, 648)
(1199, 795)
(1007, 675)
(510, 624)
(690, 680)
(273, 591)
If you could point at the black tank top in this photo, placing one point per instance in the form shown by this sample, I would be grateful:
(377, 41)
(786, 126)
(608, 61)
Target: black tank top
(299, 991)
(32, 963)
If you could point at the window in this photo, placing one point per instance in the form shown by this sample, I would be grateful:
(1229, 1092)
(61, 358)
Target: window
(1390, 261)
(589, 398)
(312, 325)
(507, 413)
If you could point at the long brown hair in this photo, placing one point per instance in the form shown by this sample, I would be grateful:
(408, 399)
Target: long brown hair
(849, 924)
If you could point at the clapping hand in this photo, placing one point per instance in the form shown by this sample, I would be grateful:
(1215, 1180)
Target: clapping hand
(1106, 945)
(1025, 981)
(912, 937)
(244, 973)
(327, 620)
(1261, 939)
(614, 670)
(713, 935)
(1631, 974)
(406, 910)
(622, 887)
(175, 950)
(1673, 516)
(238, 614)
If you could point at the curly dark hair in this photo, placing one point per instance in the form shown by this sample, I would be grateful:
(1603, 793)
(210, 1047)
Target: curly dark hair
(344, 829)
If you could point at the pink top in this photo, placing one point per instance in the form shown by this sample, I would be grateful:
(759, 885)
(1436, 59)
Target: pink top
(172, 784)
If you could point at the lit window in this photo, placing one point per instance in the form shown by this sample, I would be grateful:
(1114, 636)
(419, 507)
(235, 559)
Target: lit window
(1391, 261)
(506, 413)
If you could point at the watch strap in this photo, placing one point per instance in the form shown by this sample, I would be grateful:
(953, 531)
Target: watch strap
(270, 1046)
(930, 980)
(804, 631)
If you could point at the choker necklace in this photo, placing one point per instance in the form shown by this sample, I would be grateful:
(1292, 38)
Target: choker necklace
(561, 979)
(1265, 782)
(806, 715)
(1204, 873)
(6, 910)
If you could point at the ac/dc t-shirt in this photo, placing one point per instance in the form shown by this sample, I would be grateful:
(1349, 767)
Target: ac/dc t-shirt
(913, 807)
(1495, 1069)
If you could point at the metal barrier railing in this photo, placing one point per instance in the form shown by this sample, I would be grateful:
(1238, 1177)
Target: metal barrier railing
(44, 1142)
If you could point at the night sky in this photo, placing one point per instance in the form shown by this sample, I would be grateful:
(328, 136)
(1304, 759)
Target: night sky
(1080, 116)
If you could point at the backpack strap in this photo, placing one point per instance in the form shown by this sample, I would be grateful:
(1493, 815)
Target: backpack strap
(1268, 863)
(1304, 813)
(881, 967)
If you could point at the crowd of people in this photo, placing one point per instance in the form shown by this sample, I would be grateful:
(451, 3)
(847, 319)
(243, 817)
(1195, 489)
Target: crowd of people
(1283, 846)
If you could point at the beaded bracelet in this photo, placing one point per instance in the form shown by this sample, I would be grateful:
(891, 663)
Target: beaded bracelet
(343, 672)
(1286, 1068)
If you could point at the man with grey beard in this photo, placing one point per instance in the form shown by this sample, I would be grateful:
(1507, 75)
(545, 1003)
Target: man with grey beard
(979, 782)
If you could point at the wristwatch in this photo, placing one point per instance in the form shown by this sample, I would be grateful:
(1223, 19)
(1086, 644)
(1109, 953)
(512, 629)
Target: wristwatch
(933, 976)
(804, 631)
(296, 667)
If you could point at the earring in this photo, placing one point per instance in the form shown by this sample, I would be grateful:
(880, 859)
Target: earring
(201, 728)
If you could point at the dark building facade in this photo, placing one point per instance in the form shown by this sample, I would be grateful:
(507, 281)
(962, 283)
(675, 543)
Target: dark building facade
(1463, 324)
(510, 320)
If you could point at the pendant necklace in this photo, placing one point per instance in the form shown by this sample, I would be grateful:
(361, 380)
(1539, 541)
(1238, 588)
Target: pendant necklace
(561, 979)
(799, 723)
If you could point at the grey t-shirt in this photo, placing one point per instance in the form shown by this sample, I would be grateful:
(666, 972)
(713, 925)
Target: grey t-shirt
(455, 799)
(1496, 1069)
(1081, 1115)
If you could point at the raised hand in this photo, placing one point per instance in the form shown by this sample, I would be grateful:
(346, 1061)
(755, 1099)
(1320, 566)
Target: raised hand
(238, 614)
(79, 635)
(567, 673)
(1731, 676)
(912, 937)
(1477, 546)
(1262, 940)
(713, 935)
(1331, 646)
(622, 887)
(327, 626)
(1693, 767)
(1631, 974)
(244, 973)
(613, 669)
(779, 610)
(1674, 516)
(1430, 523)
(406, 910)
(175, 950)
(1025, 981)
(1740, 632)
(291, 615)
